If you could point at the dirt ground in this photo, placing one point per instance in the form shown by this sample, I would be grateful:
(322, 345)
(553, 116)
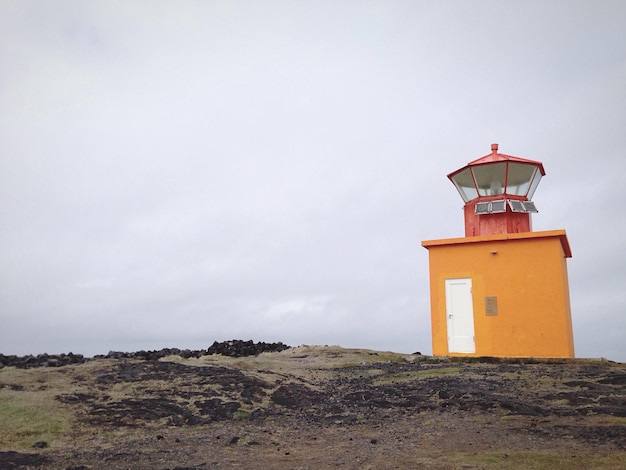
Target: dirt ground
(315, 407)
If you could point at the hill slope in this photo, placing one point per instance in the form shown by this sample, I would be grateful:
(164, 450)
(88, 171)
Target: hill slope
(314, 407)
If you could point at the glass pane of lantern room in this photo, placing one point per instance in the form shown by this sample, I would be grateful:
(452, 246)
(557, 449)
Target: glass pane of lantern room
(465, 184)
(534, 184)
(490, 178)
(519, 178)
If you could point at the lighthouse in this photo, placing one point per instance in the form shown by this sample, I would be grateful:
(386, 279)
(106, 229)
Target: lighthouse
(502, 290)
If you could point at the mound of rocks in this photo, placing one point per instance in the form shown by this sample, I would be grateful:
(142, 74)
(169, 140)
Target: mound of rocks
(233, 348)
(238, 348)
(153, 355)
(41, 360)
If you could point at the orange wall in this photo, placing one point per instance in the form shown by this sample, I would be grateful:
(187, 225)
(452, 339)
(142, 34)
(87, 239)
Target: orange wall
(527, 274)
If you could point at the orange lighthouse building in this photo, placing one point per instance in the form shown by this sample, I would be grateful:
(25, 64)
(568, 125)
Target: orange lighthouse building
(502, 290)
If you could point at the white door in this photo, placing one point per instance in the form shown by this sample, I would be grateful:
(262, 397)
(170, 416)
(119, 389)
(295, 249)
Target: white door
(460, 316)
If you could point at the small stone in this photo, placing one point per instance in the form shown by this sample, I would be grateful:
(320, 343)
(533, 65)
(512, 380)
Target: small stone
(40, 445)
(373, 441)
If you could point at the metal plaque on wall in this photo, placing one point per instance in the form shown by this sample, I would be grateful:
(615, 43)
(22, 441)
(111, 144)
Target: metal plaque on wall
(491, 305)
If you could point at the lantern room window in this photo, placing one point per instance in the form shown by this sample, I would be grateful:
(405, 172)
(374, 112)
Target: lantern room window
(490, 178)
(534, 183)
(464, 182)
(521, 177)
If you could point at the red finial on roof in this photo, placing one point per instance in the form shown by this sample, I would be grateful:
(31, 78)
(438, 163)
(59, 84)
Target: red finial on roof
(494, 148)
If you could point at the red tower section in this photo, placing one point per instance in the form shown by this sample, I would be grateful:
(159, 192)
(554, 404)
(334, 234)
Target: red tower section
(497, 189)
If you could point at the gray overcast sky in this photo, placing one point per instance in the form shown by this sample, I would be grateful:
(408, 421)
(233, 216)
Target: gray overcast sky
(173, 173)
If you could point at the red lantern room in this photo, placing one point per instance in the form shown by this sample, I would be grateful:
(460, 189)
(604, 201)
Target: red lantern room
(497, 189)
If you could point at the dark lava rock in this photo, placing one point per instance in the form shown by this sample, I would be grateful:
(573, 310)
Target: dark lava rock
(216, 409)
(296, 396)
(41, 360)
(238, 348)
(132, 412)
(234, 348)
(14, 460)
(614, 379)
(191, 399)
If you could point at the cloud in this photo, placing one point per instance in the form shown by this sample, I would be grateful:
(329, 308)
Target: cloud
(173, 175)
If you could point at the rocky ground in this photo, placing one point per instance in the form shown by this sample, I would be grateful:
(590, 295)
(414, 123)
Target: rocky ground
(311, 407)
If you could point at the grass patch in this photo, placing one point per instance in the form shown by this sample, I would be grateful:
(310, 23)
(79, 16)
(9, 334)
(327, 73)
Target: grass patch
(415, 375)
(439, 371)
(540, 460)
(241, 415)
(393, 358)
(24, 420)
(359, 373)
